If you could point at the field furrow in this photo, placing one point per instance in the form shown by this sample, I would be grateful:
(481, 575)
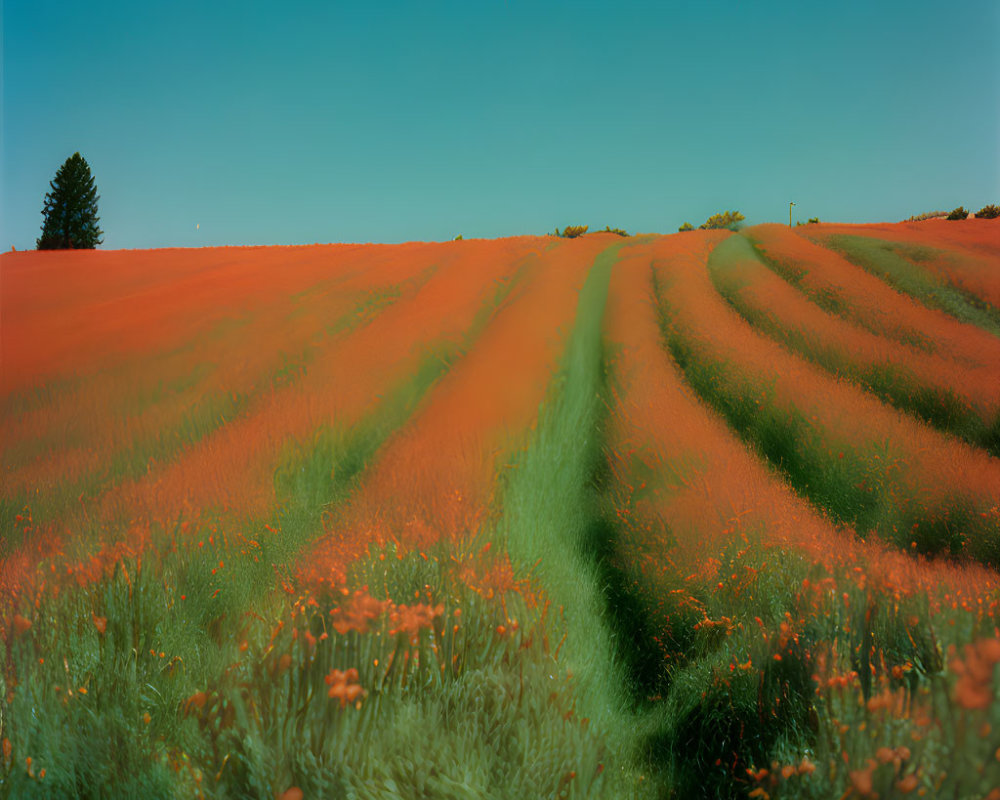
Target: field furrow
(435, 479)
(962, 253)
(843, 288)
(955, 398)
(864, 463)
(721, 556)
(960, 284)
(113, 424)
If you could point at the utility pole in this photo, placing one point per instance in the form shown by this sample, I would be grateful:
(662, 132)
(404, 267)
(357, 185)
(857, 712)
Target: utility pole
(790, 214)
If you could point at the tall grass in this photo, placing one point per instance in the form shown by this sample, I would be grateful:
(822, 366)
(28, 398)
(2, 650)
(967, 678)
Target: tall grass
(138, 685)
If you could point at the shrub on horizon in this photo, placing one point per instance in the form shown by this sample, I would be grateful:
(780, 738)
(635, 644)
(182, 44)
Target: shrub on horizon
(572, 231)
(958, 213)
(616, 231)
(687, 226)
(928, 215)
(988, 212)
(729, 220)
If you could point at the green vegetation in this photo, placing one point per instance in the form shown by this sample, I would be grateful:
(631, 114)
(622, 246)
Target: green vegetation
(958, 213)
(572, 231)
(727, 220)
(687, 226)
(552, 517)
(193, 696)
(927, 215)
(615, 231)
(988, 212)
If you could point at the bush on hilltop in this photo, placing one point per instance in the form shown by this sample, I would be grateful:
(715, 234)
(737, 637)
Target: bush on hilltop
(730, 220)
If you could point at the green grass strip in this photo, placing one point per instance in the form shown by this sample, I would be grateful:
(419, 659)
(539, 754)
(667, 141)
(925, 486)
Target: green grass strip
(554, 517)
(548, 505)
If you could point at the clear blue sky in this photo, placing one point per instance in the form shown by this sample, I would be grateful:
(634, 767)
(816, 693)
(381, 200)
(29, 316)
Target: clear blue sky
(294, 122)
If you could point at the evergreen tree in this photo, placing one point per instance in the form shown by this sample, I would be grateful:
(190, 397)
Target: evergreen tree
(70, 213)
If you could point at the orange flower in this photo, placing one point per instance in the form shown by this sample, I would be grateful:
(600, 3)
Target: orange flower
(21, 624)
(410, 619)
(907, 784)
(197, 700)
(974, 688)
(344, 686)
(7, 749)
(356, 616)
(861, 780)
(101, 623)
(291, 793)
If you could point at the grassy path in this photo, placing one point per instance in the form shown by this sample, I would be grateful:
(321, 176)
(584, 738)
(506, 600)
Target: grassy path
(554, 517)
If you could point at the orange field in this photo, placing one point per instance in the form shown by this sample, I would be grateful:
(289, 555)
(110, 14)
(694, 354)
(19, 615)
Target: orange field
(708, 514)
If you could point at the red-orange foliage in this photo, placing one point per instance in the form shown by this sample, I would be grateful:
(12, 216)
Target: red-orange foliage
(973, 247)
(929, 470)
(344, 686)
(358, 613)
(232, 468)
(769, 295)
(435, 479)
(698, 481)
(873, 302)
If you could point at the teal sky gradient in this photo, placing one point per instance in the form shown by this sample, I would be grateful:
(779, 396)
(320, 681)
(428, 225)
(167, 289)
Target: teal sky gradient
(295, 122)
